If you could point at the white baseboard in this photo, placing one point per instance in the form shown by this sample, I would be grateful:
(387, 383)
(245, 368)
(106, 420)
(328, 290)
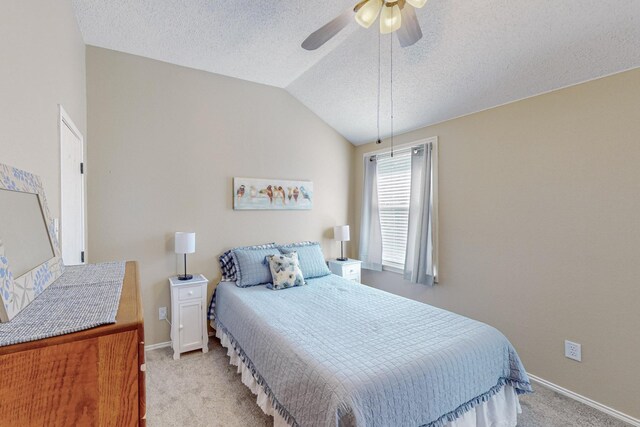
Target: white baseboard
(164, 344)
(157, 346)
(592, 403)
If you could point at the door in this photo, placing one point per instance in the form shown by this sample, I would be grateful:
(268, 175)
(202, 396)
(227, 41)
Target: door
(71, 192)
(190, 326)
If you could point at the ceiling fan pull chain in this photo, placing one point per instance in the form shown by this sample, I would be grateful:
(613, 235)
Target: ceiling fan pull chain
(379, 86)
(391, 38)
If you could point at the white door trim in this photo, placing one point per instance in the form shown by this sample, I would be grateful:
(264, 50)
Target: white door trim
(65, 120)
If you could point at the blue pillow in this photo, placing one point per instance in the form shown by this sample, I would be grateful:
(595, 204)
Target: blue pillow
(311, 258)
(251, 266)
(228, 266)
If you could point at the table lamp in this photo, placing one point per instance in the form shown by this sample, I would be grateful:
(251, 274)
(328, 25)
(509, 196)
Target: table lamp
(341, 234)
(185, 244)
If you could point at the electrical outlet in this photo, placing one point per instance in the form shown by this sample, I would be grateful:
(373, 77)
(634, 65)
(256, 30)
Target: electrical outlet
(162, 313)
(573, 350)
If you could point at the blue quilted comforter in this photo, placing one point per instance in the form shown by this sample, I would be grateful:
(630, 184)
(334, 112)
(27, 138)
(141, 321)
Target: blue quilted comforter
(335, 353)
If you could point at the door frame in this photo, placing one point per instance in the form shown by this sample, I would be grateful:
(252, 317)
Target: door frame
(64, 119)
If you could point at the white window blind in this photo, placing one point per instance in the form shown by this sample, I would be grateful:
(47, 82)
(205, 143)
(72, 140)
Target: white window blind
(394, 188)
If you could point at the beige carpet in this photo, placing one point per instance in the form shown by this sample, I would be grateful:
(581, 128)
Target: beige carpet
(204, 390)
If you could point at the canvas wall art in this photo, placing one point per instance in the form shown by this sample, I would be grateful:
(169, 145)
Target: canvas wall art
(276, 194)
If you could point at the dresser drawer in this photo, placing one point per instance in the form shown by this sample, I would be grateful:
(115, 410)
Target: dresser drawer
(189, 293)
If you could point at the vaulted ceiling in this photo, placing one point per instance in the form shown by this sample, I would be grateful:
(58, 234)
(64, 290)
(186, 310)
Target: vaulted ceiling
(475, 54)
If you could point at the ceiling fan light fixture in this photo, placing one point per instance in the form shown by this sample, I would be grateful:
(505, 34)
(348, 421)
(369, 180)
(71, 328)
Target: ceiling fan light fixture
(368, 13)
(417, 3)
(390, 18)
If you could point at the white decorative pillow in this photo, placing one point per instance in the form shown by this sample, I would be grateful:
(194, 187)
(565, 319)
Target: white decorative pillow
(285, 271)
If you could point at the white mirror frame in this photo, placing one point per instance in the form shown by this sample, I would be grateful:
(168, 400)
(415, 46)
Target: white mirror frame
(18, 292)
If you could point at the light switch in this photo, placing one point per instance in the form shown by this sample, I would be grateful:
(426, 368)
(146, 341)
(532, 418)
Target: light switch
(56, 228)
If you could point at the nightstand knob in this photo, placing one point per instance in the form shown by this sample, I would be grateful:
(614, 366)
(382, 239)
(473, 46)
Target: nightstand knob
(190, 292)
(181, 326)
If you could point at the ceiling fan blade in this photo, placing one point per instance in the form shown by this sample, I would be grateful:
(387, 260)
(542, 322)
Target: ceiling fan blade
(328, 30)
(410, 31)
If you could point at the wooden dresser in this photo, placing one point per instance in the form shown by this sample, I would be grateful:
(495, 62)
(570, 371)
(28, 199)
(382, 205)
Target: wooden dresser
(94, 377)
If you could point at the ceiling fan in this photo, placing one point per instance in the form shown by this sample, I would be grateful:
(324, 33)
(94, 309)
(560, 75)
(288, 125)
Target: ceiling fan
(395, 15)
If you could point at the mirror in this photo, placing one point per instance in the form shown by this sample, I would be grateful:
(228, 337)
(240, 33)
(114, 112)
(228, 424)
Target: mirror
(29, 252)
(23, 231)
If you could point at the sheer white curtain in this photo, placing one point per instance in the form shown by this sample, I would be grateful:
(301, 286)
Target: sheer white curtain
(419, 265)
(370, 231)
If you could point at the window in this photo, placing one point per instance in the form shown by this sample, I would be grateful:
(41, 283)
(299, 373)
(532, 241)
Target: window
(399, 223)
(394, 188)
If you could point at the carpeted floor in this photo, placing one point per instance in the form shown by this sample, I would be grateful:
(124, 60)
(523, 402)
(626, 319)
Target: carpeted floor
(204, 390)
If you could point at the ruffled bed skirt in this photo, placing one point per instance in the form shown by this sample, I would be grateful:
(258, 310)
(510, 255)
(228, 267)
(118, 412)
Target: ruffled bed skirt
(501, 410)
(248, 379)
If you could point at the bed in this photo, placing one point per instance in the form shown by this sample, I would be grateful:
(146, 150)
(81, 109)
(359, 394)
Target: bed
(336, 353)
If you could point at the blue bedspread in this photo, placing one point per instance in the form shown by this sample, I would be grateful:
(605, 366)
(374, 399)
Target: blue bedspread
(335, 353)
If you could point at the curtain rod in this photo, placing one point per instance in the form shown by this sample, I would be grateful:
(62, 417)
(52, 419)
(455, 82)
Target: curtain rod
(415, 148)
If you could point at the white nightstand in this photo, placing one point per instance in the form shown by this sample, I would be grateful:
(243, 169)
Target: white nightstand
(349, 269)
(189, 315)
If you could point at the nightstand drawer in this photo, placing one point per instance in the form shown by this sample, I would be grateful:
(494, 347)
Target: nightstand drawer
(355, 277)
(189, 293)
(350, 270)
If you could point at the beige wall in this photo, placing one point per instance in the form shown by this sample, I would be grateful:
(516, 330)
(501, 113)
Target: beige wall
(42, 65)
(166, 142)
(540, 231)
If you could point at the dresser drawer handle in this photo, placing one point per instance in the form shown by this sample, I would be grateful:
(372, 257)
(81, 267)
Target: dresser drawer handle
(143, 367)
(181, 327)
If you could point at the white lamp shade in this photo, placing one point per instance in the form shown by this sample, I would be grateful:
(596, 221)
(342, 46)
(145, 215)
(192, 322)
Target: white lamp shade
(185, 242)
(341, 233)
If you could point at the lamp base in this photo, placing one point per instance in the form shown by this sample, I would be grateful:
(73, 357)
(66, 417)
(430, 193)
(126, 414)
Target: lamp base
(342, 259)
(185, 277)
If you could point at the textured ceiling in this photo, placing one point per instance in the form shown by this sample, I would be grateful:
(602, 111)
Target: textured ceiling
(474, 54)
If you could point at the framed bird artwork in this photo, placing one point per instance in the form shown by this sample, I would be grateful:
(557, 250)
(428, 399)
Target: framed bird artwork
(272, 194)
